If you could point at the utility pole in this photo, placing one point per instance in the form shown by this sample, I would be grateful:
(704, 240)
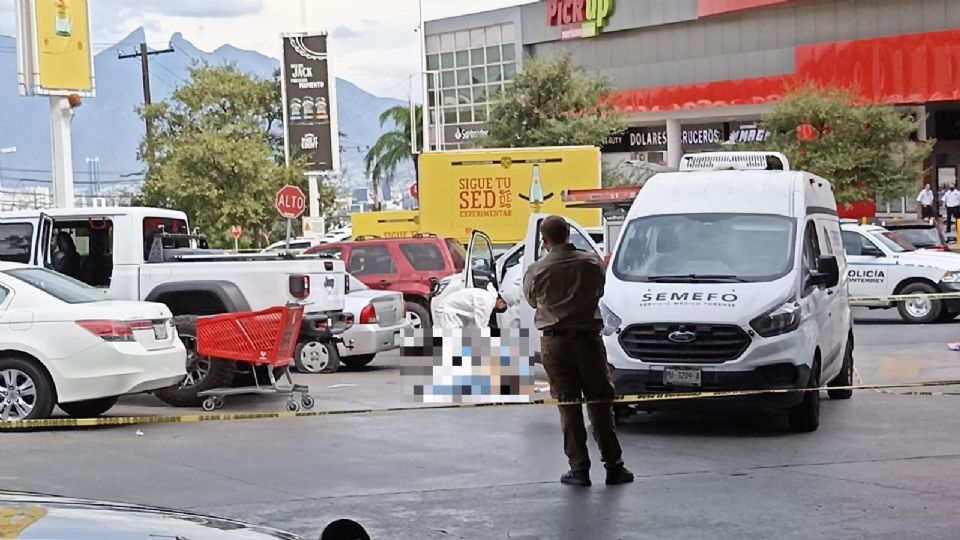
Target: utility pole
(144, 55)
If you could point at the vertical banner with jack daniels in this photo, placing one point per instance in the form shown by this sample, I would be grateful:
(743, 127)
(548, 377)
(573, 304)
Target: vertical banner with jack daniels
(309, 101)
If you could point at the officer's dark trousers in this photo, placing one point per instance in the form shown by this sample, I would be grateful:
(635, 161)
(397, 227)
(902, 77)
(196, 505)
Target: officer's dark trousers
(576, 367)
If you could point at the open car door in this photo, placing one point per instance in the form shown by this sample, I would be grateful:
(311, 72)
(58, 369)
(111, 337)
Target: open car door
(27, 240)
(533, 251)
(481, 268)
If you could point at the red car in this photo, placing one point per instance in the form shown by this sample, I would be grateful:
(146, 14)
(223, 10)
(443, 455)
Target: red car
(405, 265)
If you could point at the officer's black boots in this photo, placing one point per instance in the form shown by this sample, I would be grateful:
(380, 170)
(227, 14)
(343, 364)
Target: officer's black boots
(618, 474)
(576, 478)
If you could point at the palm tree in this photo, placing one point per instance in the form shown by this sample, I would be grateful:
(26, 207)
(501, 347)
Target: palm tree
(393, 147)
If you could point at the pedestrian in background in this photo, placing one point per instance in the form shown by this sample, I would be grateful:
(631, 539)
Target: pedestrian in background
(565, 289)
(925, 200)
(951, 199)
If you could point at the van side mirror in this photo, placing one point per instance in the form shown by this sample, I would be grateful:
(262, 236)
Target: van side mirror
(827, 274)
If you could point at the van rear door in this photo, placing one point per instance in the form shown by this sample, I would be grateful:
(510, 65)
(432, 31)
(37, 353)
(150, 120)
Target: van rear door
(26, 240)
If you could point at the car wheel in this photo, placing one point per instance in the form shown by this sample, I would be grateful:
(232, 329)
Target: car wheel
(317, 357)
(920, 310)
(357, 361)
(90, 408)
(417, 315)
(202, 373)
(805, 417)
(845, 377)
(26, 393)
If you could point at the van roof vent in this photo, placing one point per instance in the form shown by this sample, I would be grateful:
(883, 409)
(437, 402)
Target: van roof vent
(753, 161)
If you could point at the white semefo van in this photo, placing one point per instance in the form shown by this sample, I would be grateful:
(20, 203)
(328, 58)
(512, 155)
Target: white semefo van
(882, 264)
(731, 276)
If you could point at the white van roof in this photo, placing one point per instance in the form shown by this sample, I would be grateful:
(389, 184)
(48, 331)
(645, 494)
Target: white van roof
(734, 191)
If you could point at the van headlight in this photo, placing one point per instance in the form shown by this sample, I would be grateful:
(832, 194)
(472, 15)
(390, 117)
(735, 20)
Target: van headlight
(951, 277)
(779, 320)
(611, 323)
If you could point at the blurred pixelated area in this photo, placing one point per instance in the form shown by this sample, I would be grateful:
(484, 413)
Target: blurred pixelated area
(468, 365)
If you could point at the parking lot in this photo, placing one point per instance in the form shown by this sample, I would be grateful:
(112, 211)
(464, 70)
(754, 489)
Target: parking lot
(881, 465)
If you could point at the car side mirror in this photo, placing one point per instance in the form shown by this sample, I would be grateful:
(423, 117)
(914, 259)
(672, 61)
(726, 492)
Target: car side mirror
(828, 272)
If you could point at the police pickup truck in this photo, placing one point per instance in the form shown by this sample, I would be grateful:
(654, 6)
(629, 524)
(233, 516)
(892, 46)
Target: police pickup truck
(881, 263)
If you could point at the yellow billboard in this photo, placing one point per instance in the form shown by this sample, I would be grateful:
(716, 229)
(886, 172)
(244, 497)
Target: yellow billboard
(397, 224)
(496, 190)
(58, 47)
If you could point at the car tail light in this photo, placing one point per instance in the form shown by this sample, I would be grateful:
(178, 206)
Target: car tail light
(114, 330)
(368, 315)
(300, 286)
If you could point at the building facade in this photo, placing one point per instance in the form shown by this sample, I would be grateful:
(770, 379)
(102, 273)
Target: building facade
(695, 75)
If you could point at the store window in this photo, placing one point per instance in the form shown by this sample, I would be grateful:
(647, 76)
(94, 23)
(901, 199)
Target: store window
(475, 65)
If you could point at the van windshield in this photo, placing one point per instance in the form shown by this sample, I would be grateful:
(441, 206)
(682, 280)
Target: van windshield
(706, 248)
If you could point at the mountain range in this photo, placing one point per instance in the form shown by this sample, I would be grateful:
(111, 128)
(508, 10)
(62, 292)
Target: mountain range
(107, 126)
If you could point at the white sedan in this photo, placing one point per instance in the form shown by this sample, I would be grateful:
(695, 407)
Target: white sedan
(379, 322)
(64, 343)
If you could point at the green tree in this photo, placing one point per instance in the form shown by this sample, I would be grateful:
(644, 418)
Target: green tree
(552, 102)
(864, 150)
(393, 147)
(214, 154)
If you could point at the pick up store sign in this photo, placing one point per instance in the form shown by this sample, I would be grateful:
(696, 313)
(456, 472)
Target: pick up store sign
(579, 18)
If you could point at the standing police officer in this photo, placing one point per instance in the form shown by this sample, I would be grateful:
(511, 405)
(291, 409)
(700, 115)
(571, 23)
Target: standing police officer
(565, 289)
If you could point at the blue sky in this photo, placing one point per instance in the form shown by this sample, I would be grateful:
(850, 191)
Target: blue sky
(374, 43)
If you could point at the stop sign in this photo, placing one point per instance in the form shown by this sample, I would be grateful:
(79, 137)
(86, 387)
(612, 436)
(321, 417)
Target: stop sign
(290, 202)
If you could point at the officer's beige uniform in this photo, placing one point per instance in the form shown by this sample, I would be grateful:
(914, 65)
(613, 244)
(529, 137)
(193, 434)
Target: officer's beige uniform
(565, 289)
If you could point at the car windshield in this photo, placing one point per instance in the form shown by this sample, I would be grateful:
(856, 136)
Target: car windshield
(706, 247)
(920, 237)
(893, 241)
(58, 286)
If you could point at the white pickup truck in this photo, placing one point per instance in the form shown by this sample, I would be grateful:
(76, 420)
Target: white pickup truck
(148, 254)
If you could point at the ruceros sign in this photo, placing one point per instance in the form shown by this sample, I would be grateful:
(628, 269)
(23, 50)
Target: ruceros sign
(579, 18)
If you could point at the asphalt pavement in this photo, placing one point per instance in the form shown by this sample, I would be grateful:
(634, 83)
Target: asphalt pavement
(881, 465)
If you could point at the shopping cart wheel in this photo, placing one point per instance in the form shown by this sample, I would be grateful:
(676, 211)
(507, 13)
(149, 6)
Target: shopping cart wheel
(210, 404)
(293, 406)
(307, 402)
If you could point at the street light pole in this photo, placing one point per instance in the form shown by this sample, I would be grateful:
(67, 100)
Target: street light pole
(7, 150)
(425, 96)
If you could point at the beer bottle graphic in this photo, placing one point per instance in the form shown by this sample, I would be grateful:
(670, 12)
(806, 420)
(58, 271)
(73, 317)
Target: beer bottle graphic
(536, 188)
(536, 197)
(63, 24)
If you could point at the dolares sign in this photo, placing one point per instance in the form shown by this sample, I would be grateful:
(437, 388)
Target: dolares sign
(579, 18)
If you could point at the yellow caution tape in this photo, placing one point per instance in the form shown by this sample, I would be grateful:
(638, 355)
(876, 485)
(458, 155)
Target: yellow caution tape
(620, 400)
(902, 297)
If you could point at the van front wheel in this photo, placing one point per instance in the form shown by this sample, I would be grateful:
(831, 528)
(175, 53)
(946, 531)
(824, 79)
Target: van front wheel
(920, 310)
(805, 417)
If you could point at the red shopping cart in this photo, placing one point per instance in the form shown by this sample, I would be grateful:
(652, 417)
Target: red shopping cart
(261, 338)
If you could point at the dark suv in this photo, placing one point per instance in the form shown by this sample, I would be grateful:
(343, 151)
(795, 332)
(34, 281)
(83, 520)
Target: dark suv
(405, 265)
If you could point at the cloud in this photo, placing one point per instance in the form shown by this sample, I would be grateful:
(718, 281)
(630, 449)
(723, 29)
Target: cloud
(215, 9)
(342, 32)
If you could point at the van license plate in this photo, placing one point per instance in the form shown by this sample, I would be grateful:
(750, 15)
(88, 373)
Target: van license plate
(681, 377)
(160, 331)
